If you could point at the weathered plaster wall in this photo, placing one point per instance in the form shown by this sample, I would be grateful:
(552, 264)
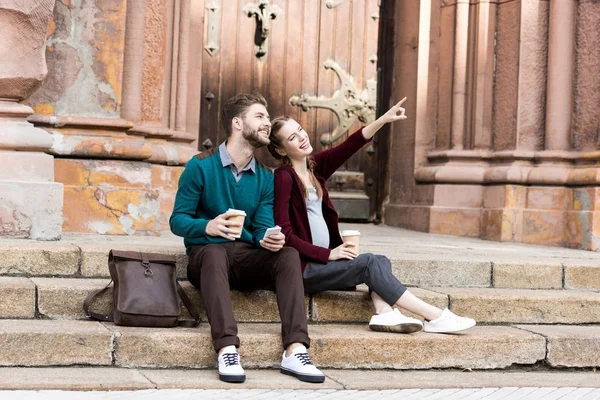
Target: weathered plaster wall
(117, 197)
(85, 59)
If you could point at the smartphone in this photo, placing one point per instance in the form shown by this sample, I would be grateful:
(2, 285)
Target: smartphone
(272, 231)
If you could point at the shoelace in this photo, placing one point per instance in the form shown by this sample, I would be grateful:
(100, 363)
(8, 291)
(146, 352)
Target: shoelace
(304, 358)
(231, 359)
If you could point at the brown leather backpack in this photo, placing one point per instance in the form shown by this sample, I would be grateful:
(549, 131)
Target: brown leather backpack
(145, 291)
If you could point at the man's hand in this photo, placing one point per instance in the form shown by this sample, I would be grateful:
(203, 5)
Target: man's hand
(221, 226)
(345, 251)
(273, 243)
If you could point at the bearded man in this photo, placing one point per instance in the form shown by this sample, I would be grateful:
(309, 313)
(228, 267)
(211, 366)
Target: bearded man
(220, 258)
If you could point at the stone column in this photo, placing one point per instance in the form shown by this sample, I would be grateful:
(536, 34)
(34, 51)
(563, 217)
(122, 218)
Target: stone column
(30, 202)
(459, 90)
(483, 75)
(561, 64)
(131, 107)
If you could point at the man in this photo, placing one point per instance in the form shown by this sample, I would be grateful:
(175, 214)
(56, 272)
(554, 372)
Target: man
(212, 183)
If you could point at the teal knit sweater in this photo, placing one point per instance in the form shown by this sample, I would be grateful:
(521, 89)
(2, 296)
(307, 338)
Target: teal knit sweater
(207, 189)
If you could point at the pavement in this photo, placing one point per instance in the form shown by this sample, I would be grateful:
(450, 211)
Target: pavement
(507, 393)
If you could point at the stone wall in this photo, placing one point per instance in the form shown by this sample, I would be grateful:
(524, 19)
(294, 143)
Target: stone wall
(505, 121)
(115, 106)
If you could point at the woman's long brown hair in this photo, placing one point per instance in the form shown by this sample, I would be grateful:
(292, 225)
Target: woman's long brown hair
(276, 125)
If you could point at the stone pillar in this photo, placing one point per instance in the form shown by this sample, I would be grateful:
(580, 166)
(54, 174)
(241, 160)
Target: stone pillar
(30, 202)
(131, 107)
(561, 64)
(483, 75)
(459, 90)
(163, 70)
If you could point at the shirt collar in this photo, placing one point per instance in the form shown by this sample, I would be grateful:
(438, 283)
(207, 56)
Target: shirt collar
(227, 161)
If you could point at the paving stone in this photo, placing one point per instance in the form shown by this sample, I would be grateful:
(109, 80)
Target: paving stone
(73, 378)
(431, 270)
(63, 298)
(524, 306)
(41, 343)
(333, 346)
(382, 380)
(357, 306)
(527, 276)
(208, 379)
(28, 257)
(163, 348)
(570, 346)
(582, 276)
(480, 347)
(17, 298)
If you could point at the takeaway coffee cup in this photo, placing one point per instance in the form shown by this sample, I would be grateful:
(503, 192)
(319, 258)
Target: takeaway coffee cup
(237, 215)
(351, 236)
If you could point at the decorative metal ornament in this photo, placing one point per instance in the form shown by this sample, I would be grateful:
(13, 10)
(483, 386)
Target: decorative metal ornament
(213, 28)
(346, 103)
(262, 12)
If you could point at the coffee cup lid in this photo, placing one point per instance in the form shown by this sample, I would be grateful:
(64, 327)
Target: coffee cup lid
(350, 232)
(236, 212)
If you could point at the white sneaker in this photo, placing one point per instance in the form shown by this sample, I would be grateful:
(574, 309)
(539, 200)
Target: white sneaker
(298, 364)
(448, 322)
(230, 369)
(394, 321)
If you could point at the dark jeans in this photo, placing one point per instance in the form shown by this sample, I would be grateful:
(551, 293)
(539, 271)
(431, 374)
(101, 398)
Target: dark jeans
(372, 269)
(217, 268)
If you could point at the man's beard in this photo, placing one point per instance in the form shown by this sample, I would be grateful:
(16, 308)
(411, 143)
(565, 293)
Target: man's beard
(253, 137)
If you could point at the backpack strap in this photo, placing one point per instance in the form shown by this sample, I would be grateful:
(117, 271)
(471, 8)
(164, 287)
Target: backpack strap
(88, 300)
(188, 304)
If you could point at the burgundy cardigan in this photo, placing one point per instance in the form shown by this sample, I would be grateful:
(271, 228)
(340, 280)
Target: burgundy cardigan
(290, 205)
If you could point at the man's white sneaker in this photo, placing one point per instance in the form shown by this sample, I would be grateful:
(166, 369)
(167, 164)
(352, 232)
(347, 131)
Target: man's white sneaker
(394, 321)
(448, 322)
(230, 369)
(298, 364)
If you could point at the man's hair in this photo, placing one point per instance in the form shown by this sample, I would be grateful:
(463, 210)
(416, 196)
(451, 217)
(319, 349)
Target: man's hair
(237, 106)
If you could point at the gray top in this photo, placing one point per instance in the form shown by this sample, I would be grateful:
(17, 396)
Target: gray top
(228, 162)
(318, 227)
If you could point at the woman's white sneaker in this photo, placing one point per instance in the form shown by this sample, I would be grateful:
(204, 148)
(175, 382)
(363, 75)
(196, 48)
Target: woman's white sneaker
(230, 368)
(298, 364)
(448, 322)
(394, 321)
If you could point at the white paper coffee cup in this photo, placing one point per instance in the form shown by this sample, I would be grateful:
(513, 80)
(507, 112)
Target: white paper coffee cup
(351, 236)
(237, 215)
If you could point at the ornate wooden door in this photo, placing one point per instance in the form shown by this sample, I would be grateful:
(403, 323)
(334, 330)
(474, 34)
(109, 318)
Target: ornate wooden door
(314, 60)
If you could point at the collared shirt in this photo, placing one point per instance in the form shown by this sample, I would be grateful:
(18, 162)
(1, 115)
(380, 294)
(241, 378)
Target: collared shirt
(228, 162)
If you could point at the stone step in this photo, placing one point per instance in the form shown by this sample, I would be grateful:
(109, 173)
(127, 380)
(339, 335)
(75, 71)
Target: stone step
(494, 306)
(62, 298)
(442, 265)
(122, 379)
(62, 343)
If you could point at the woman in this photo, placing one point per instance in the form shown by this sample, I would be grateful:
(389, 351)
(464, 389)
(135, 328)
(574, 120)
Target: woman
(310, 223)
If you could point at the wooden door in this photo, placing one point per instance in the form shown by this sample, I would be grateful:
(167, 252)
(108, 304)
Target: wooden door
(302, 36)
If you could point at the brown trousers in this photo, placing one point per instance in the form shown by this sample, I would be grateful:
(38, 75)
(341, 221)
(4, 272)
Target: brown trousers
(217, 268)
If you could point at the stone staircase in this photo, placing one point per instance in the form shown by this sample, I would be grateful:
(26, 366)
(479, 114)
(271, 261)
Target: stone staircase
(535, 306)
